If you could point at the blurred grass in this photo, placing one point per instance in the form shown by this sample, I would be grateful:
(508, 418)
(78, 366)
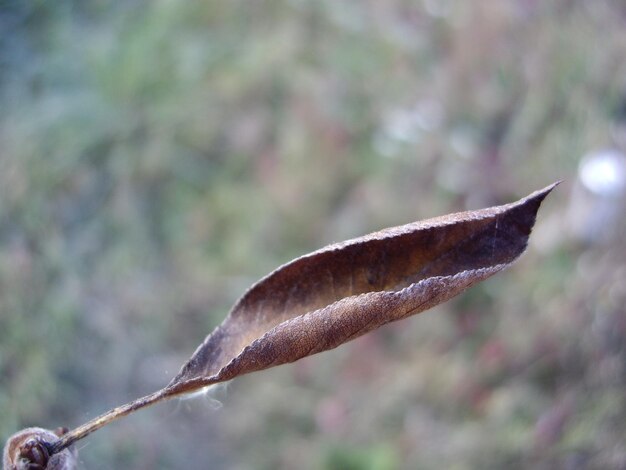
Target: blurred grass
(156, 158)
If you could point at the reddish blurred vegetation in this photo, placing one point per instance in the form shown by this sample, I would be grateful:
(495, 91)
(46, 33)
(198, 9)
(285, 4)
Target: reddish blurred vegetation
(156, 158)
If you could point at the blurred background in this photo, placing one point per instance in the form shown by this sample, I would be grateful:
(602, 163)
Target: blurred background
(158, 157)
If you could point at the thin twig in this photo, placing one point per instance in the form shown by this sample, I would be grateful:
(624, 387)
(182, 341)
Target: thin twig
(84, 430)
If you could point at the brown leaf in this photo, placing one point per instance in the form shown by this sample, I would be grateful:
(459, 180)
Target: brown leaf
(328, 297)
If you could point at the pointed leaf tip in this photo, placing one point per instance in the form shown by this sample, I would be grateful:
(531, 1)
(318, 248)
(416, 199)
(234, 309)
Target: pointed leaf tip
(330, 296)
(541, 194)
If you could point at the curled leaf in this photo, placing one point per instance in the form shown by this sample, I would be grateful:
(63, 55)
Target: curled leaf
(326, 298)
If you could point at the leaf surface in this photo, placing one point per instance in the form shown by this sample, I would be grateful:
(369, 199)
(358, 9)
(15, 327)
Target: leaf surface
(326, 298)
(330, 296)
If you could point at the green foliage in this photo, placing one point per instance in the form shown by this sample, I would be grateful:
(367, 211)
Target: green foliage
(371, 458)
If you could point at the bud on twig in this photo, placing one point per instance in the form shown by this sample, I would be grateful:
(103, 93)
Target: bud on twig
(28, 450)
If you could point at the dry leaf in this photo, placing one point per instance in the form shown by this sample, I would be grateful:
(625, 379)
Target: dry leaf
(328, 297)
